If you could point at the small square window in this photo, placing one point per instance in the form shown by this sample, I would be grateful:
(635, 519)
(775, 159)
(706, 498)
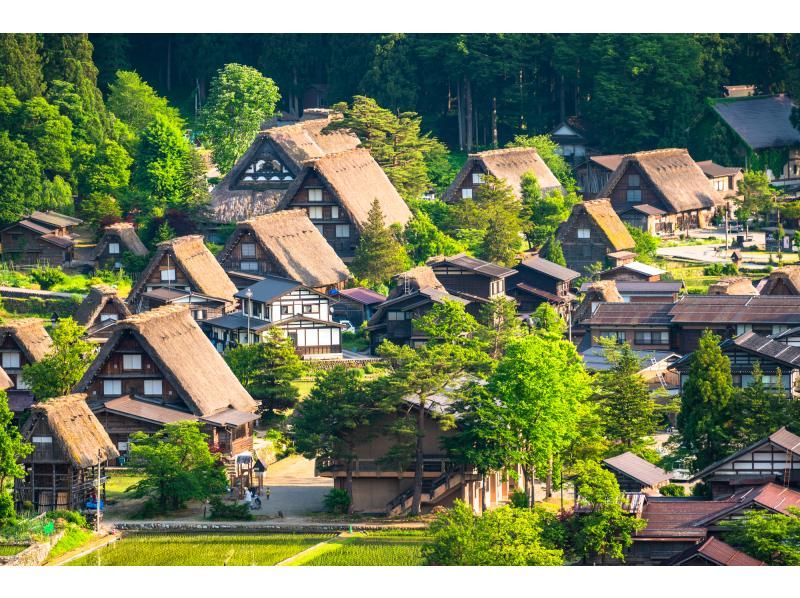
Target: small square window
(11, 359)
(248, 249)
(315, 195)
(584, 233)
(152, 388)
(112, 388)
(249, 266)
(633, 180)
(342, 231)
(315, 213)
(466, 193)
(334, 212)
(477, 178)
(113, 248)
(132, 362)
(634, 195)
(285, 310)
(168, 275)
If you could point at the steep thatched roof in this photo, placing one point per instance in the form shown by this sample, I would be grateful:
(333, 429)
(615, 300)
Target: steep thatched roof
(677, 179)
(607, 220)
(185, 357)
(77, 429)
(356, 179)
(295, 144)
(190, 255)
(99, 295)
(783, 281)
(733, 285)
(30, 335)
(295, 247)
(127, 236)
(604, 291)
(421, 277)
(508, 164)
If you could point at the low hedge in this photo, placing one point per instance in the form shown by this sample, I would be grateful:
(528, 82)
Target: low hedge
(37, 306)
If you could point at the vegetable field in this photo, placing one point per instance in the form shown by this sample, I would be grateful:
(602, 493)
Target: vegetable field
(200, 549)
(367, 550)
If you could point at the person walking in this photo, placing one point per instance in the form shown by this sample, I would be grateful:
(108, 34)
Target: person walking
(267, 493)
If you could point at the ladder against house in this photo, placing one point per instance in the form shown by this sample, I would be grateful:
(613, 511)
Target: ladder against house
(659, 374)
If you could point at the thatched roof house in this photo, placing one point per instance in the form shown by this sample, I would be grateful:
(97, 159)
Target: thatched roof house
(184, 263)
(102, 307)
(508, 164)
(733, 285)
(5, 381)
(418, 278)
(285, 244)
(261, 176)
(29, 336)
(601, 291)
(122, 233)
(782, 281)
(606, 219)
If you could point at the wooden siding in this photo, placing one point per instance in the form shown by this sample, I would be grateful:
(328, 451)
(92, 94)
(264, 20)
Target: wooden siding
(25, 247)
(582, 253)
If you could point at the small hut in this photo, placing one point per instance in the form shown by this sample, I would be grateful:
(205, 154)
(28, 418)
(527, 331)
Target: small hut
(71, 451)
(118, 239)
(733, 285)
(100, 310)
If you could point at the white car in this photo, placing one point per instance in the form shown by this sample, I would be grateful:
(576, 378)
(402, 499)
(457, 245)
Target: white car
(348, 326)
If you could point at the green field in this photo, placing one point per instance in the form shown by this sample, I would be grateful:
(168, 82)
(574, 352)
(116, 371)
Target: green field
(7, 550)
(200, 549)
(118, 482)
(367, 550)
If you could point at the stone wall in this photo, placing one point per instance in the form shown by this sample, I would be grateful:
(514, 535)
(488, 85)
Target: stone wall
(34, 555)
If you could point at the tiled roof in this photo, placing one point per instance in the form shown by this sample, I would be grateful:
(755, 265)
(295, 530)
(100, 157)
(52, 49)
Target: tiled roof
(362, 295)
(637, 468)
(473, 264)
(736, 309)
(549, 268)
(634, 314)
(718, 552)
(761, 121)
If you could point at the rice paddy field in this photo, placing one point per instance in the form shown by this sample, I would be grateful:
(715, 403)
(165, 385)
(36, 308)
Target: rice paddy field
(10, 550)
(376, 549)
(200, 550)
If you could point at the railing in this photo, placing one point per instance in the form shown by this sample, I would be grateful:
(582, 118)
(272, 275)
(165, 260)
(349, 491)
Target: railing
(430, 464)
(401, 502)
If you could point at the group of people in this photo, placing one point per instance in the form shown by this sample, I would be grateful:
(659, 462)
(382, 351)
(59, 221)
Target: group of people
(252, 497)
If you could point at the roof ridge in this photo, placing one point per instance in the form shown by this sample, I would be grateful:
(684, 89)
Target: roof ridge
(503, 150)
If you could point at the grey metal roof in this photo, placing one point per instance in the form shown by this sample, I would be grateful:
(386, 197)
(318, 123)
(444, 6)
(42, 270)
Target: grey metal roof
(637, 468)
(643, 287)
(762, 345)
(237, 321)
(473, 264)
(736, 309)
(268, 289)
(549, 268)
(594, 358)
(761, 121)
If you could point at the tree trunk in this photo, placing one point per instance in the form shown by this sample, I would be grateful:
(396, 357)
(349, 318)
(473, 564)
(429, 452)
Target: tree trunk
(549, 480)
(494, 122)
(169, 63)
(418, 464)
(468, 116)
(460, 117)
(563, 101)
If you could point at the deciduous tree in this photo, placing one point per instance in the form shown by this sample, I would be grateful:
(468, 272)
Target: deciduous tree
(13, 449)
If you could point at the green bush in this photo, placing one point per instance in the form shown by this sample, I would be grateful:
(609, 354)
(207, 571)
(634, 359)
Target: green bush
(721, 270)
(672, 490)
(281, 443)
(69, 517)
(337, 501)
(519, 499)
(220, 510)
(701, 490)
(7, 514)
(47, 277)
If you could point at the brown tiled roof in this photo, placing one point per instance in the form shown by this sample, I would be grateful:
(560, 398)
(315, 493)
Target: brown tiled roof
(674, 176)
(58, 240)
(610, 161)
(143, 410)
(30, 335)
(54, 219)
(184, 355)
(295, 246)
(789, 441)
(77, 429)
(637, 468)
(678, 517)
(717, 552)
(91, 306)
(362, 295)
(549, 268)
(736, 309)
(711, 169)
(526, 288)
(634, 314)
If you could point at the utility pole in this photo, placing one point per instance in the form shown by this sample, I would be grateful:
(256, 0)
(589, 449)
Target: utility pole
(97, 492)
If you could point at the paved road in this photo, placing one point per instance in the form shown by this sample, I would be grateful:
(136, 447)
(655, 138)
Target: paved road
(294, 490)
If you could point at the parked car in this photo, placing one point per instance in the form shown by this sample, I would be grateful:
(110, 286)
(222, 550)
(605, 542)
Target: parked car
(348, 326)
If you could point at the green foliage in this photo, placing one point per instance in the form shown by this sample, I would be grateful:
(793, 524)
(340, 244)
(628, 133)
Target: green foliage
(223, 511)
(500, 537)
(74, 537)
(721, 270)
(73, 517)
(47, 276)
(519, 499)
(646, 244)
(672, 490)
(500, 323)
(60, 370)
(12, 450)
(103, 168)
(177, 466)
(20, 179)
(266, 369)
(771, 537)
(136, 104)
(553, 252)
(239, 100)
(424, 240)
(755, 196)
(702, 490)
(380, 255)
(21, 64)
(548, 151)
(500, 212)
(542, 214)
(337, 501)
(376, 549)
(100, 209)
(547, 323)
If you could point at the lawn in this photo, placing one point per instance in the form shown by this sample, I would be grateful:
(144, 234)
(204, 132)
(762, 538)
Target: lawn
(200, 549)
(11, 550)
(118, 482)
(73, 538)
(373, 549)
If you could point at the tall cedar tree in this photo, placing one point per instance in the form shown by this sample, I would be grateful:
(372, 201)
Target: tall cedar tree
(239, 102)
(627, 405)
(59, 371)
(339, 412)
(553, 252)
(12, 450)
(379, 255)
(500, 214)
(548, 150)
(417, 376)
(177, 466)
(703, 420)
(21, 64)
(267, 369)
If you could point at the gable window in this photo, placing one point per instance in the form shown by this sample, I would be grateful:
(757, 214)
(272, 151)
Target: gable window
(720, 184)
(584, 233)
(334, 212)
(466, 193)
(633, 195)
(21, 384)
(168, 275)
(112, 388)
(200, 314)
(109, 317)
(10, 359)
(248, 266)
(315, 195)
(113, 248)
(132, 362)
(315, 213)
(477, 178)
(393, 316)
(633, 180)
(152, 388)
(342, 231)
(248, 249)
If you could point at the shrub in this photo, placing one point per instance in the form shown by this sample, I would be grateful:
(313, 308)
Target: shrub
(672, 490)
(337, 501)
(69, 517)
(220, 510)
(47, 277)
(519, 499)
(7, 514)
(701, 490)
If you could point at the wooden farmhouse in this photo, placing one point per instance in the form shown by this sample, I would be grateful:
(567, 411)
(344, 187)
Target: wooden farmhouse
(724, 179)
(668, 291)
(183, 270)
(469, 277)
(675, 189)
(301, 313)
(508, 165)
(775, 458)
(285, 244)
(71, 451)
(383, 486)
(537, 280)
(595, 172)
(22, 342)
(41, 238)
(355, 305)
(633, 271)
(117, 240)
(258, 180)
(592, 232)
(337, 191)
(100, 310)
(713, 553)
(634, 474)
(781, 281)
(414, 294)
(158, 367)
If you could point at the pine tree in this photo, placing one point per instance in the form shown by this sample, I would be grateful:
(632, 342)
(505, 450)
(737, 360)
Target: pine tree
(703, 419)
(21, 64)
(552, 251)
(379, 255)
(500, 213)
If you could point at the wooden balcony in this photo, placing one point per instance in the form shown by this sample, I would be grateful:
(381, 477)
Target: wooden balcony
(433, 466)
